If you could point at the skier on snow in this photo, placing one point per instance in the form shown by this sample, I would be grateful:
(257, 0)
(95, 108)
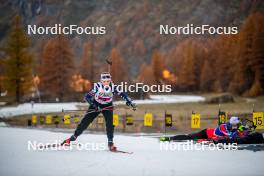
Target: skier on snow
(229, 129)
(100, 98)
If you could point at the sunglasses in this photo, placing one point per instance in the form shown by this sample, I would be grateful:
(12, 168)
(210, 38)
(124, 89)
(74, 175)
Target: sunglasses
(106, 77)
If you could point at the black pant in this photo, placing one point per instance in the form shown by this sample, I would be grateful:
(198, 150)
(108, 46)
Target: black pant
(199, 135)
(253, 138)
(90, 116)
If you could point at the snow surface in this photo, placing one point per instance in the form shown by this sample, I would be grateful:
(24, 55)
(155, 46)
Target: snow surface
(155, 99)
(57, 107)
(147, 159)
(27, 108)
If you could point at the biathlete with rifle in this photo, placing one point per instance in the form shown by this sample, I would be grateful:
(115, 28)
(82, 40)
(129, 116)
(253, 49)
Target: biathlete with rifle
(234, 131)
(100, 98)
(229, 129)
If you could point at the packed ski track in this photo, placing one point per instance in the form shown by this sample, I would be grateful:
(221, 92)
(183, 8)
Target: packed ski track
(147, 158)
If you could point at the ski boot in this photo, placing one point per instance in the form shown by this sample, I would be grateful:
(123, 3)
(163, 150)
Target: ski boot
(163, 139)
(68, 141)
(112, 147)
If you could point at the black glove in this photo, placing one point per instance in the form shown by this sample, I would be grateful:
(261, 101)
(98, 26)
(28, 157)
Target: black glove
(133, 105)
(128, 103)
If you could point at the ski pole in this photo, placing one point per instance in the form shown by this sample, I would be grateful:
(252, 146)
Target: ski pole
(73, 117)
(105, 108)
(134, 107)
(71, 110)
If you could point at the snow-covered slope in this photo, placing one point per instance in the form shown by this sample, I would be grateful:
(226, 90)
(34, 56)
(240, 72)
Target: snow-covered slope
(155, 99)
(147, 159)
(27, 108)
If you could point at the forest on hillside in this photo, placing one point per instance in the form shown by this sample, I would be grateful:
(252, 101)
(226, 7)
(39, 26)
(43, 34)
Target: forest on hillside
(65, 66)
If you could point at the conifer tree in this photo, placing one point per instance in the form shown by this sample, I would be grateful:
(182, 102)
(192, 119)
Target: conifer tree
(18, 62)
(118, 68)
(57, 68)
(87, 62)
(157, 66)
